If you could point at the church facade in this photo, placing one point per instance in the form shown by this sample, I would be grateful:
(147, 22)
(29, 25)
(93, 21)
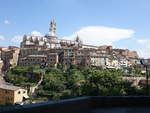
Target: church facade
(49, 41)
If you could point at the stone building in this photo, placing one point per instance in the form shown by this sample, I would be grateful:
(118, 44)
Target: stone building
(15, 56)
(6, 56)
(83, 57)
(9, 56)
(1, 63)
(51, 59)
(10, 94)
(126, 52)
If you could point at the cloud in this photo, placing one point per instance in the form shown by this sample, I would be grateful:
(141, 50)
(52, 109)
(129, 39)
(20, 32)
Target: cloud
(17, 39)
(36, 33)
(6, 22)
(144, 42)
(144, 50)
(144, 53)
(2, 37)
(97, 35)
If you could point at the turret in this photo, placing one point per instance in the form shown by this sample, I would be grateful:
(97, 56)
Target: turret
(78, 39)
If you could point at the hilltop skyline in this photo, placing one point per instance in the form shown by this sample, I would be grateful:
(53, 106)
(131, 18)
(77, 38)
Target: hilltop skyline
(123, 24)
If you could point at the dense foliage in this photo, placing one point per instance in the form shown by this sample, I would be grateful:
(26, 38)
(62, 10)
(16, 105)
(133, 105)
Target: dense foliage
(67, 82)
(23, 76)
(62, 82)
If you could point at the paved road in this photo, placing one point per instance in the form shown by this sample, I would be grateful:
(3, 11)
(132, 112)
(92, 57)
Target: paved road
(122, 110)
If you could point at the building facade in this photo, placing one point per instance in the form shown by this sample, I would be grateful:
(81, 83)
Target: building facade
(10, 94)
(8, 57)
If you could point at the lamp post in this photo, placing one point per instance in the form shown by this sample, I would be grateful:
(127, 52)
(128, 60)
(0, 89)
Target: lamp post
(142, 61)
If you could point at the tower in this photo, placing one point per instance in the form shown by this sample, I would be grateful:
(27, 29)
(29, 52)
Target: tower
(77, 39)
(52, 30)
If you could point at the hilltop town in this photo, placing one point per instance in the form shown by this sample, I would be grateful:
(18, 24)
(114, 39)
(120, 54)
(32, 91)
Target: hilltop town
(50, 49)
(86, 65)
(74, 56)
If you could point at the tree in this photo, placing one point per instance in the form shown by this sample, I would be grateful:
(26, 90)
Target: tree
(103, 82)
(23, 76)
(60, 83)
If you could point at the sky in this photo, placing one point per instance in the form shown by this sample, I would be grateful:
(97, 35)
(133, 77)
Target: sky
(120, 23)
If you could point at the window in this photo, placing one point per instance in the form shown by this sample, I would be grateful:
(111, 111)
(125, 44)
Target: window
(6, 92)
(19, 92)
(24, 92)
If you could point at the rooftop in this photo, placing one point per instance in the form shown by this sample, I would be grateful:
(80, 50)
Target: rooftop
(8, 86)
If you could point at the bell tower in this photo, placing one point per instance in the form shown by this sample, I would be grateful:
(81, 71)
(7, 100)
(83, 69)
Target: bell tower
(52, 30)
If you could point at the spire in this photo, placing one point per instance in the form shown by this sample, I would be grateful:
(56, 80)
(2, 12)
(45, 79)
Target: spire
(77, 39)
(52, 30)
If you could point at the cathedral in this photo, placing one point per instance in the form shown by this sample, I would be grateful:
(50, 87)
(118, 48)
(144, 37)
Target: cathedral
(50, 40)
(52, 50)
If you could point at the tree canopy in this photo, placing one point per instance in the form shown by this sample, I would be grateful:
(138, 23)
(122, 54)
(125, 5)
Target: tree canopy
(67, 82)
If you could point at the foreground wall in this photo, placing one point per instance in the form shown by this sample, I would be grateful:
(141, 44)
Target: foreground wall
(78, 105)
(81, 105)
